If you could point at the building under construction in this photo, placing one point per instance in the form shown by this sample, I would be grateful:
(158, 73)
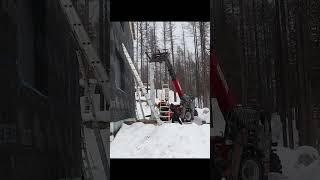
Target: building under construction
(40, 108)
(122, 85)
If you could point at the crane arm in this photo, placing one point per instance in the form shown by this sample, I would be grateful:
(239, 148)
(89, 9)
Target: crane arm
(164, 56)
(219, 86)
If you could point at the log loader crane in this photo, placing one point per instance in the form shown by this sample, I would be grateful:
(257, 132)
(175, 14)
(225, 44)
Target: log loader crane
(244, 151)
(187, 105)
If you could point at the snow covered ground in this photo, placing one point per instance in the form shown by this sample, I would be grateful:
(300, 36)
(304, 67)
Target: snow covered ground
(298, 164)
(169, 140)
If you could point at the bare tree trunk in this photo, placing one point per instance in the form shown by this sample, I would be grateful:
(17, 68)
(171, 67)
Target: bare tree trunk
(172, 54)
(282, 57)
(146, 40)
(243, 54)
(202, 43)
(165, 47)
(141, 50)
(204, 90)
(184, 53)
(137, 45)
(154, 50)
(195, 38)
(184, 59)
(189, 72)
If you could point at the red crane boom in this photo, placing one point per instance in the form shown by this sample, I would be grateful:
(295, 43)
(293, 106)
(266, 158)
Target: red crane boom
(220, 87)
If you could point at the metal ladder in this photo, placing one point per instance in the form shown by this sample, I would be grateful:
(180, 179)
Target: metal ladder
(164, 111)
(140, 84)
(165, 91)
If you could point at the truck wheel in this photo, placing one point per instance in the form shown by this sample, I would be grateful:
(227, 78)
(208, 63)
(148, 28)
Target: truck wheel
(275, 163)
(188, 116)
(251, 169)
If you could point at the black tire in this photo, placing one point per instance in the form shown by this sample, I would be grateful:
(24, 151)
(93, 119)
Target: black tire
(251, 168)
(188, 116)
(192, 116)
(275, 163)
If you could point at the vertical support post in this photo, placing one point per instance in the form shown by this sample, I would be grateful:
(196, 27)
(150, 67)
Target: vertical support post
(140, 103)
(152, 90)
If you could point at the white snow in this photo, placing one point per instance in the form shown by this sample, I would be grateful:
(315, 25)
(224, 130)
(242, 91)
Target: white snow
(218, 120)
(300, 163)
(203, 114)
(170, 140)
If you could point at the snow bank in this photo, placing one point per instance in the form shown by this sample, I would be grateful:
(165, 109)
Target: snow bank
(311, 172)
(306, 155)
(170, 140)
(301, 163)
(218, 120)
(204, 114)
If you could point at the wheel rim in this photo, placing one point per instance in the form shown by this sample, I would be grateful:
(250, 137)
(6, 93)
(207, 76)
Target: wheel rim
(188, 116)
(250, 170)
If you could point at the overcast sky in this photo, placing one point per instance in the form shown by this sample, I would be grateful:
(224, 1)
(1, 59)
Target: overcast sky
(177, 35)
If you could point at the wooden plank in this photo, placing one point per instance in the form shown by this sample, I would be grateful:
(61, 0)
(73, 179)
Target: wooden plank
(144, 121)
